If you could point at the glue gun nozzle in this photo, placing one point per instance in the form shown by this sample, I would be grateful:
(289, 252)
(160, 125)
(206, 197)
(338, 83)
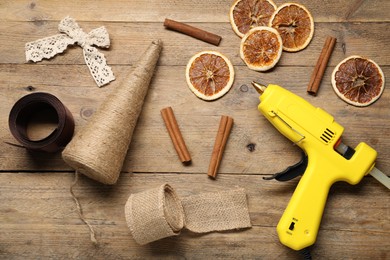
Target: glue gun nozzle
(260, 88)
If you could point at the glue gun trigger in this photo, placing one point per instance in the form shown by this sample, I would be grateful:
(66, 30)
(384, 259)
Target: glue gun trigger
(292, 171)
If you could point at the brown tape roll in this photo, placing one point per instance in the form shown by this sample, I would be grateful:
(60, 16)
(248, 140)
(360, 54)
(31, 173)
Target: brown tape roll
(41, 103)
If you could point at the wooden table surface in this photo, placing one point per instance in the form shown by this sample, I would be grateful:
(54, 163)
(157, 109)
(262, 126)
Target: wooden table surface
(38, 218)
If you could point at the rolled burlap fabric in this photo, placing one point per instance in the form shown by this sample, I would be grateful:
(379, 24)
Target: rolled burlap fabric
(158, 213)
(98, 150)
(154, 214)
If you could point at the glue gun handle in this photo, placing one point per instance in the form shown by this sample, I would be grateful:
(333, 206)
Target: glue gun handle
(300, 222)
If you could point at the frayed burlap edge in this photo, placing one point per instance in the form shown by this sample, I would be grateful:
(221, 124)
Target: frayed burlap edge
(158, 213)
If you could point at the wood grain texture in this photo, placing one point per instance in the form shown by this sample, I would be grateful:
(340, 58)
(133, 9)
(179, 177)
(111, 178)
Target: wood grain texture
(128, 40)
(44, 221)
(38, 218)
(198, 119)
(187, 11)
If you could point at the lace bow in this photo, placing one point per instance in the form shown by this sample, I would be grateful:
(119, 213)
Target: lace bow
(71, 33)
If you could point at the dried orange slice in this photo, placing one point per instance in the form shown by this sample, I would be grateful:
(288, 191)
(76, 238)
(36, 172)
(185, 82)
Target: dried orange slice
(295, 25)
(209, 75)
(247, 14)
(358, 81)
(261, 48)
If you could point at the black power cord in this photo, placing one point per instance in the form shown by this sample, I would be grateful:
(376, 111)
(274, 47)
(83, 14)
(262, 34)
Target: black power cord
(306, 253)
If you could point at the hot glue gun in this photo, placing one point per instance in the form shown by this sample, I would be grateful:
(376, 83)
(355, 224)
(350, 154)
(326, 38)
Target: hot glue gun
(326, 161)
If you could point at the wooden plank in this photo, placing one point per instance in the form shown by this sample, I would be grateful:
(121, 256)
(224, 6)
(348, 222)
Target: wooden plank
(151, 149)
(189, 11)
(38, 219)
(129, 40)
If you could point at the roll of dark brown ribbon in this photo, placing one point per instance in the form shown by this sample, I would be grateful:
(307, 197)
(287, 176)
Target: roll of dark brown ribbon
(42, 104)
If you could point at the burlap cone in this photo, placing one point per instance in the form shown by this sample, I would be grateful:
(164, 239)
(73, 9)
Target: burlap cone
(99, 149)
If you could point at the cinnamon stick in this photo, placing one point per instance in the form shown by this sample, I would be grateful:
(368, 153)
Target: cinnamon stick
(225, 126)
(175, 134)
(320, 67)
(193, 31)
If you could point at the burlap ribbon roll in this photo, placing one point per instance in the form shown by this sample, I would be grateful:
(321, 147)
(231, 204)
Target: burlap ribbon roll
(158, 213)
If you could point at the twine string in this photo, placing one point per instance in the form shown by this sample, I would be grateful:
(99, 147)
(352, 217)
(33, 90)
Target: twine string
(80, 210)
(99, 149)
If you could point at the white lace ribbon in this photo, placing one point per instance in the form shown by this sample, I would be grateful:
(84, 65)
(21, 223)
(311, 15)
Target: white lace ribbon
(71, 33)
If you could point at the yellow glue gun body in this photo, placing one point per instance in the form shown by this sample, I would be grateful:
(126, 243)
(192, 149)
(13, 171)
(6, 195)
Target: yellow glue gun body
(316, 132)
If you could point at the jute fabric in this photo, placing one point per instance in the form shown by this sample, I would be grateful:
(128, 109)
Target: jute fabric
(99, 149)
(158, 213)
